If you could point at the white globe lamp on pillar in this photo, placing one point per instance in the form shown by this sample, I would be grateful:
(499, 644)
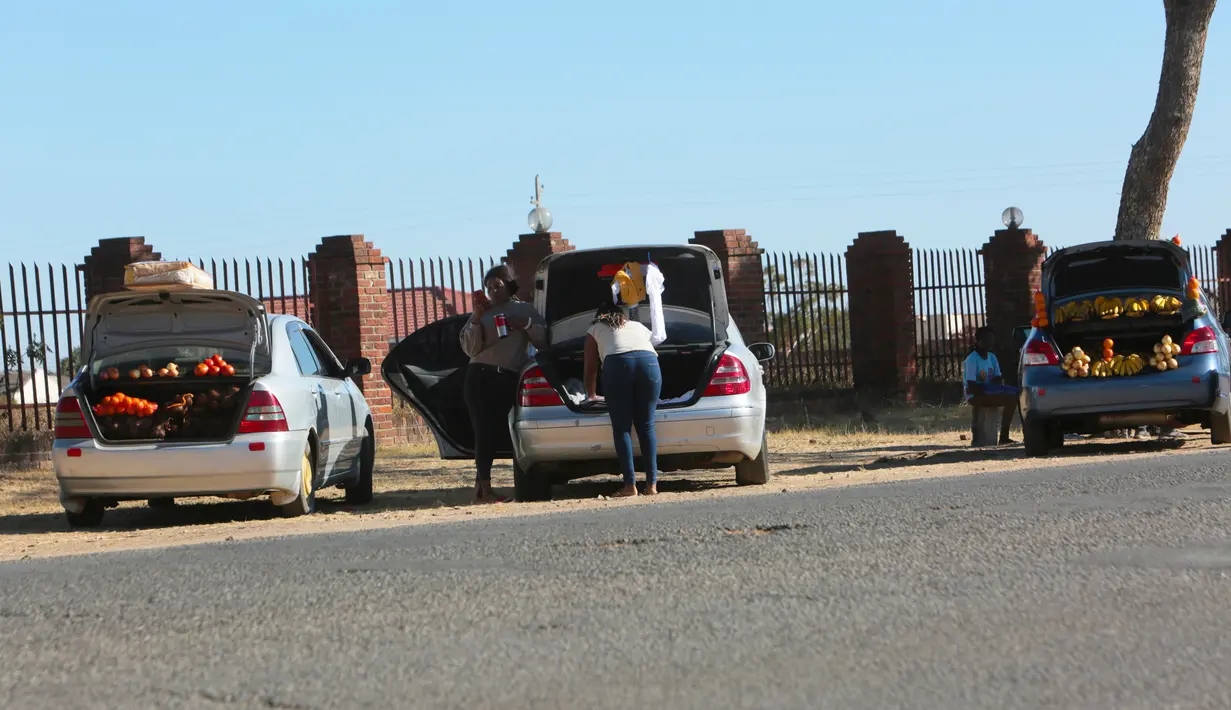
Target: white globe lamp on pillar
(539, 217)
(1012, 218)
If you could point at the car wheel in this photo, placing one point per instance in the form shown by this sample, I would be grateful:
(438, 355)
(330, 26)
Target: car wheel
(360, 492)
(305, 502)
(91, 516)
(756, 471)
(1220, 428)
(529, 487)
(161, 502)
(1038, 438)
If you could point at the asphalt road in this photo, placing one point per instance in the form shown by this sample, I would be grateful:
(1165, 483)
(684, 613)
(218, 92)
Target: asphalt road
(1095, 586)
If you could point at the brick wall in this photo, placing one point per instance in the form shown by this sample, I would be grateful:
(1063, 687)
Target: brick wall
(880, 282)
(744, 277)
(1012, 272)
(104, 267)
(527, 252)
(351, 299)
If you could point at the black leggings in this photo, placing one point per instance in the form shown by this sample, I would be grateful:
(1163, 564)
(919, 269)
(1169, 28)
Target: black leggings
(489, 398)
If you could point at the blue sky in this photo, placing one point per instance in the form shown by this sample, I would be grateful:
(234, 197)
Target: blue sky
(231, 129)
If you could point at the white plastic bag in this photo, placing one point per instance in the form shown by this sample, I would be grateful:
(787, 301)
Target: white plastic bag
(654, 291)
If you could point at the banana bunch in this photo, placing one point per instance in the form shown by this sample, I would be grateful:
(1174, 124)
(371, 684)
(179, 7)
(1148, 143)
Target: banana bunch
(1135, 307)
(1127, 366)
(1102, 368)
(1076, 363)
(1165, 305)
(1164, 355)
(1073, 311)
(1108, 308)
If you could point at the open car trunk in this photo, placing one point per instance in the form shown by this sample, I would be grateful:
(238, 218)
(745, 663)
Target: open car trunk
(570, 286)
(1116, 273)
(145, 349)
(187, 412)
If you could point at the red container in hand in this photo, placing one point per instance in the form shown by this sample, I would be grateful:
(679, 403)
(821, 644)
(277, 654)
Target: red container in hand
(502, 326)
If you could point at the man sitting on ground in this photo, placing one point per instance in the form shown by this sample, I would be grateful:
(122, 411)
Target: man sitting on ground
(984, 383)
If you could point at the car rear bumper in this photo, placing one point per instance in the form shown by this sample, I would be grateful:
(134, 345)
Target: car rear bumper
(1198, 384)
(574, 437)
(152, 470)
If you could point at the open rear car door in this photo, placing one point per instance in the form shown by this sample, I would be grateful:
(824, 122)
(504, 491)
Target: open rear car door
(428, 371)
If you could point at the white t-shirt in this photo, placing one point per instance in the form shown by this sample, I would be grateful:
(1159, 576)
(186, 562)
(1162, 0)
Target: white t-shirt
(979, 370)
(632, 337)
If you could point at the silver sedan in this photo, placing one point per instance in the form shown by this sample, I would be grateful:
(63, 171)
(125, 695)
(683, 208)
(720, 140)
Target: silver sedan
(153, 415)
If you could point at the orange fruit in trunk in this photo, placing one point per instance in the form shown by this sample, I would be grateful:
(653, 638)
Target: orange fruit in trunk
(1107, 354)
(1108, 344)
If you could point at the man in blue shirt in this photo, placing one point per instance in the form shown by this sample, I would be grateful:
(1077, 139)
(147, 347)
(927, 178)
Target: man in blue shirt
(983, 382)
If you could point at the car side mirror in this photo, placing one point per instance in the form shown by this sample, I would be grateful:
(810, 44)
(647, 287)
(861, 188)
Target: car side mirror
(358, 367)
(1020, 333)
(763, 352)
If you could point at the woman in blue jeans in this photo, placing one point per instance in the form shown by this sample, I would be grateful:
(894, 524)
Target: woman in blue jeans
(632, 382)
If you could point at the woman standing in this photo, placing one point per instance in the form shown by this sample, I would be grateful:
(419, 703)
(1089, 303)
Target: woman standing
(632, 383)
(495, 338)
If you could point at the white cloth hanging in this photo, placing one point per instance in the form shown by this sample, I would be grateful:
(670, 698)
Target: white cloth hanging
(654, 291)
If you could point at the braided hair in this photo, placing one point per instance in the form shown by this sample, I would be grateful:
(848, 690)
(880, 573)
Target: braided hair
(610, 315)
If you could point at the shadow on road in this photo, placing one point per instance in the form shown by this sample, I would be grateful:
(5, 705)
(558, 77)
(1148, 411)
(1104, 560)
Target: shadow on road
(804, 464)
(213, 511)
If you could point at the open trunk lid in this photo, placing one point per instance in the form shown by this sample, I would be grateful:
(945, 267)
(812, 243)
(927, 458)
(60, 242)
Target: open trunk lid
(1102, 267)
(569, 287)
(190, 322)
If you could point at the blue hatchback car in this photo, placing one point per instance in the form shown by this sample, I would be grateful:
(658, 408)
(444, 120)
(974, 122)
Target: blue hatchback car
(1055, 402)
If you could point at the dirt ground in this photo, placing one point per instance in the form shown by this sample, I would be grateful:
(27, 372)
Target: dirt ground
(414, 487)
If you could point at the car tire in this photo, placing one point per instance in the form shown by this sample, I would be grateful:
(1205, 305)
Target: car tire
(360, 492)
(91, 516)
(1220, 428)
(756, 471)
(305, 502)
(529, 486)
(1055, 436)
(1037, 437)
(161, 502)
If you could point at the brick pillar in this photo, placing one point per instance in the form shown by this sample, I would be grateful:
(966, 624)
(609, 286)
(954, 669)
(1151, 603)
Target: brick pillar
(352, 313)
(744, 277)
(1222, 253)
(880, 273)
(1012, 261)
(104, 267)
(527, 252)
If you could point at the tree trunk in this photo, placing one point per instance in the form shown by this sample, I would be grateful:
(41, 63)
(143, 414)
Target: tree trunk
(1151, 163)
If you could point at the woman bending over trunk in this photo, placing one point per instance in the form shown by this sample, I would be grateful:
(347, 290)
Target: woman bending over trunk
(632, 382)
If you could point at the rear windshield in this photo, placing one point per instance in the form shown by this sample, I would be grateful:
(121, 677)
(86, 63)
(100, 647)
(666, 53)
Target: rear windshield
(1100, 271)
(576, 285)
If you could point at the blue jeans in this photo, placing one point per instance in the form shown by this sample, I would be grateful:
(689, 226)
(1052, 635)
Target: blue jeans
(632, 383)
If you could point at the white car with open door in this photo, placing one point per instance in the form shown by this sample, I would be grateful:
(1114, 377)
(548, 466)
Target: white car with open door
(153, 415)
(712, 408)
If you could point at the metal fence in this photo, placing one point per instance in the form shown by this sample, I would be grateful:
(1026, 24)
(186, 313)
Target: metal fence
(441, 289)
(42, 308)
(42, 325)
(949, 304)
(807, 320)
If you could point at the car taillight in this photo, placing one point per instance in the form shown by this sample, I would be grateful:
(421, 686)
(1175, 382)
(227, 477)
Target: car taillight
(1040, 352)
(70, 422)
(536, 391)
(1200, 341)
(730, 378)
(263, 415)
